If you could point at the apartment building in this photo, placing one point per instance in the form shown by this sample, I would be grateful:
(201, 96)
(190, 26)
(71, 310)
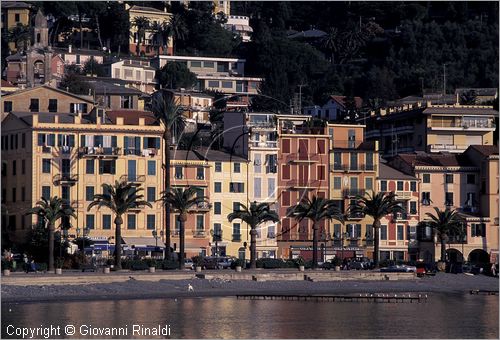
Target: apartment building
(398, 232)
(196, 105)
(240, 25)
(137, 72)
(45, 99)
(79, 56)
(187, 168)
(71, 156)
(113, 95)
(228, 186)
(431, 128)
(353, 171)
(148, 46)
(303, 161)
(453, 181)
(333, 109)
(14, 13)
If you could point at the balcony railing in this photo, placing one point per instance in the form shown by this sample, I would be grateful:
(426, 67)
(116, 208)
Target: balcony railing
(354, 192)
(306, 184)
(355, 216)
(261, 144)
(65, 178)
(400, 216)
(217, 236)
(236, 237)
(353, 242)
(369, 242)
(466, 124)
(91, 151)
(403, 194)
(271, 235)
(448, 147)
(354, 168)
(199, 233)
(202, 206)
(133, 178)
(297, 157)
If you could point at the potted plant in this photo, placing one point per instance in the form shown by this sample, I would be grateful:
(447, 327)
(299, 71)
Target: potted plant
(151, 265)
(300, 263)
(198, 263)
(108, 266)
(6, 267)
(59, 264)
(238, 263)
(337, 262)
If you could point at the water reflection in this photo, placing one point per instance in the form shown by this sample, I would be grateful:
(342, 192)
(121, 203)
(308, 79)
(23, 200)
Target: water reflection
(443, 316)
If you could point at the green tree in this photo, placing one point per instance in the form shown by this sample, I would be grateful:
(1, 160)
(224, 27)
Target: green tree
(175, 75)
(468, 97)
(51, 210)
(177, 29)
(120, 198)
(142, 25)
(21, 36)
(182, 202)
(377, 206)
(316, 210)
(73, 82)
(93, 67)
(169, 115)
(331, 42)
(444, 223)
(253, 216)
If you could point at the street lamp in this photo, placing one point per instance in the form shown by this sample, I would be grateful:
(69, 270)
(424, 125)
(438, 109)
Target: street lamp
(342, 237)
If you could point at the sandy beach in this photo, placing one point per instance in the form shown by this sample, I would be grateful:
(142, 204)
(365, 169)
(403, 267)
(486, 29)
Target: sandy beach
(164, 288)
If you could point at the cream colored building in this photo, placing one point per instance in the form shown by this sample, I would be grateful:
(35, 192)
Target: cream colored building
(71, 156)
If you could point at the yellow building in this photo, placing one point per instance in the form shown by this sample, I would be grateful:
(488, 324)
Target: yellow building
(13, 14)
(71, 156)
(222, 6)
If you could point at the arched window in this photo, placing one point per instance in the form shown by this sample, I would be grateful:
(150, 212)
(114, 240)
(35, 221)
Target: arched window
(38, 37)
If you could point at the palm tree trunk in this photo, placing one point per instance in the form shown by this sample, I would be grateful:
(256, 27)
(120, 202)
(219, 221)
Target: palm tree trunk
(315, 245)
(81, 29)
(182, 220)
(98, 31)
(166, 138)
(376, 243)
(51, 247)
(443, 249)
(118, 242)
(253, 247)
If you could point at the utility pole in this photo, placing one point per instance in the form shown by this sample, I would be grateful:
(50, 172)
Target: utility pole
(444, 80)
(300, 96)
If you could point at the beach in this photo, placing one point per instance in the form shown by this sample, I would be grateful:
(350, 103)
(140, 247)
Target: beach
(136, 288)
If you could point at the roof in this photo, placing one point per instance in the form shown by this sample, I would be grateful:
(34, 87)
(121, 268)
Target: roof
(15, 56)
(101, 87)
(179, 57)
(312, 33)
(131, 117)
(143, 241)
(479, 91)
(84, 98)
(439, 160)
(147, 9)
(388, 172)
(185, 155)
(218, 155)
(341, 101)
(485, 150)
(82, 51)
(40, 20)
(15, 4)
(6, 83)
(486, 110)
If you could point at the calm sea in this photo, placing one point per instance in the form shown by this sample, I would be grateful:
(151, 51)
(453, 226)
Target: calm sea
(442, 316)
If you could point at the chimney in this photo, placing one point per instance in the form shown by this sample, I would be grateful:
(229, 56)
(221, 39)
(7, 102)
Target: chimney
(70, 48)
(142, 121)
(119, 121)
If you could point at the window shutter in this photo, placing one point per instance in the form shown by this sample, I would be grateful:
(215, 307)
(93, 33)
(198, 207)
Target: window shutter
(125, 142)
(113, 167)
(52, 140)
(101, 167)
(358, 230)
(137, 143)
(82, 140)
(157, 142)
(71, 140)
(113, 141)
(59, 140)
(41, 140)
(483, 230)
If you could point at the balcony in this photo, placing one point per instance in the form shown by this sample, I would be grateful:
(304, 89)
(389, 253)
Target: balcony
(413, 243)
(199, 233)
(136, 179)
(304, 158)
(354, 192)
(369, 242)
(346, 144)
(353, 242)
(236, 237)
(65, 178)
(303, 184)
(91, 151)
(404, 195)
(460, 125)
(353, 168)
(216, 236)
(263, 144)
(271, 235)
(202, 206)
(400, 217)
(456, 148)
(355, 216)
(149, 152)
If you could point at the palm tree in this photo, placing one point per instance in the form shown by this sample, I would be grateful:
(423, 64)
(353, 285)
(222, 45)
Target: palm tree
(168, 114)
(316, 209)
(182, 201)
(444, 223)
(120, 198)
(376, 205)
(142, 24)
(176, 29)
(51, 210)
(331, 41)
(253, 216)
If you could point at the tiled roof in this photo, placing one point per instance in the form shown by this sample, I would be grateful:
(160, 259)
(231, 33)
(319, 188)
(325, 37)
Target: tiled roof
(341, 101)
(102, 87)
(479, 91)
(440, 160)
(218, 155)
(15, 4)
(461, 110)
(131, 117)
(5, 83)
(185, 155)
(387, 172)
(486, 150)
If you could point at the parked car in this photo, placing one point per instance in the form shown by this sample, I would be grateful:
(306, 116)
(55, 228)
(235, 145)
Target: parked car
(399, 269)
(188, 264)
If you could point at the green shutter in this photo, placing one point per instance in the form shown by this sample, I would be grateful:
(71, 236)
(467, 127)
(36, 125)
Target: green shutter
(101, 167)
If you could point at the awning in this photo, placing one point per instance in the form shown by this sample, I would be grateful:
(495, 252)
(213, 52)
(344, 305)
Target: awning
(138, 242)
(98, 239)
(108, 247)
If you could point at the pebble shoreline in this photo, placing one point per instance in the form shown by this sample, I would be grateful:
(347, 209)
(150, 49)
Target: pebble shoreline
(134, 289)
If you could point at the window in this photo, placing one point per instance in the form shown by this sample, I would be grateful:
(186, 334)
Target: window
(14, 194)
(413, 207)
(413, 186)
(217, 232)
(270, 187)
(285, 171)
(89, 166)
(151, 194)
(471, 179)
(257, 183)
(257, 164)
(321, 147)
(218, 167)
(400, 185)
(369, 161)
(227, 84)
(23, 194)
(321, 172)
(449, 178)
(126, 102)
(200, 173)
(46, 165)
(236, 187)
(106, 222)
(107, 167)
(236, 206)
(285, 198)
(200, 223)
(89, 222)
(131, 221)
(52, 105)
(213, 83)
(4, 195)
(426, 198)
(236, 232)
(217, 187)
(23, 140)
(383, 186)
(151, 142)
(337, 183)
(23, 167)
(14, 168)
(400, 232)
(78, 108)
(151, 222)
(7, 106)
(271, 164)
(34, 105)
(89, 193)
(151, 168)
(448, 200)
(196, 64)
(426, 178)
(369, 183)
(337, 161)
(478, 230)
(354, 161)
(178, 172)
(208, 64)
(285, 146)
(383, 232)
(471, 199)
(17, 17)
(217, 208)
(78, 59)
(46, 192)
(65, 193)
(236, 167)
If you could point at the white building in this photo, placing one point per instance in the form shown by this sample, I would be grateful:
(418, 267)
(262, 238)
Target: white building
(240, 25)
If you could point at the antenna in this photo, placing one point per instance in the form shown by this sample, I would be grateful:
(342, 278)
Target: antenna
(444, 80)
(300, 96)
